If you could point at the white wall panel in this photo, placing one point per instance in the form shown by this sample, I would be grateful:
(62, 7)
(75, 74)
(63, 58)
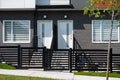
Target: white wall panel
(30, 3)
(13, 4)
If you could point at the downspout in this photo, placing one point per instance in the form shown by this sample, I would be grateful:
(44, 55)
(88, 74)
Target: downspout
(35, 37)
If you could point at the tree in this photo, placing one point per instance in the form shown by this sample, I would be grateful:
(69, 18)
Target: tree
(98, 8)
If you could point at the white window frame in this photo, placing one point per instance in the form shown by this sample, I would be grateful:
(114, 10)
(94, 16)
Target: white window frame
(101, 41)
(12, 34)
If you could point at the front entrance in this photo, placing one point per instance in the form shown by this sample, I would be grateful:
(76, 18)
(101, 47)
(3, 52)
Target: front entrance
(65, 34)
(45, 33)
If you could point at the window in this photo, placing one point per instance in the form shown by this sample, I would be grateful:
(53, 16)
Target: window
(16, 31)
(101, 29)
(52, 2)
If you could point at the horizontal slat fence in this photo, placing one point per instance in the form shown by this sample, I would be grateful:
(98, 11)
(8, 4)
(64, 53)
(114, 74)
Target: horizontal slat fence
(89, 59)
(60, 59)
(32, 57)
(9, 54)
(57, 59)
(116, 62)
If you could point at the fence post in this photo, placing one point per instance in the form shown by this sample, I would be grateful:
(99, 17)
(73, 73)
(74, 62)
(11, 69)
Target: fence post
(111, 60)
(44, 58)
(70, 60)
(19, 57)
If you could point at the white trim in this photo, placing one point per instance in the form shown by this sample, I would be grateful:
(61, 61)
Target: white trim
(101, 33)
(92, 31)
(101, 30)
(3, 31)
(118, 34)
(12, 32)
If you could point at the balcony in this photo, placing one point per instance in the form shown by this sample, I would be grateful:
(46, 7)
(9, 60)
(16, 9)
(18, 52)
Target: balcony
(52, 2)
(17, 4)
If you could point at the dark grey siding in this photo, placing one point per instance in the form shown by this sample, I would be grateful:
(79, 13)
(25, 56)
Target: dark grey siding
(82, 28)
(79, 4)
(16, 15)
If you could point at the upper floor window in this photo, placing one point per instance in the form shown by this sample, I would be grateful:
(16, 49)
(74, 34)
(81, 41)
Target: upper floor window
(16, 31)
(101, 31)
(53, 2)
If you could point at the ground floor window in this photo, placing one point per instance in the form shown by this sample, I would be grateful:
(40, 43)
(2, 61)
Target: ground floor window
(101, 31)
(16, 31)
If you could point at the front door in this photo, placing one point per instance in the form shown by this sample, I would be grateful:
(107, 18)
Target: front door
(45, 33)
(65, 34)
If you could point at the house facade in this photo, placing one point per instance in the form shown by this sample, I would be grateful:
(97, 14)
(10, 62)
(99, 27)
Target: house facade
(55, 24)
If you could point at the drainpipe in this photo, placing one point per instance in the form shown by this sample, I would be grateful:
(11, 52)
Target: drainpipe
(35, 37)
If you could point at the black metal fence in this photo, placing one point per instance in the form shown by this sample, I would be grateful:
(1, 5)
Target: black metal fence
(62, 59)
(57, 59)
(89, 59)
(115, 59)
(9, 54)
(31, 57)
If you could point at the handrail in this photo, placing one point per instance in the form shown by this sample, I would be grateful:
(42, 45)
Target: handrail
(76, 44)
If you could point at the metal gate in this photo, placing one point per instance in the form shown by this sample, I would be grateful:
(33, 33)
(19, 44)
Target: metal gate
(32, 57)
(57, 59)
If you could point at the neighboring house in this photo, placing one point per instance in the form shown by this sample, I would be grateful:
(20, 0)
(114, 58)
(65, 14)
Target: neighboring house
(54, 24)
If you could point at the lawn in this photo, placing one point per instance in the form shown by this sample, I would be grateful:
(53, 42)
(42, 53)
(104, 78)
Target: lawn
(10, 77)
(6, 66)
(103, 74)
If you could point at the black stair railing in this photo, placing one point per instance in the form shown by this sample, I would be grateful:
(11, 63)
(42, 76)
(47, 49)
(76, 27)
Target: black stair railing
(76, 45)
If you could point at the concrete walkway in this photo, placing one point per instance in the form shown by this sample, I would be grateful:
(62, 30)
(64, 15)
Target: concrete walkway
(51, 74)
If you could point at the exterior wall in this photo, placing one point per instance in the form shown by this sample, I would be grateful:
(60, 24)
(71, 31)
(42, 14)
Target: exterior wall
(16, 15)
(79, 4)
(82, 28)
(30, 4)
(17, 4)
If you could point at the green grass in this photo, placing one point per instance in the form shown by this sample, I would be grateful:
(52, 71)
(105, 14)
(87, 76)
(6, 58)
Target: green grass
(10, 77)
(103, 74)
(5, 66)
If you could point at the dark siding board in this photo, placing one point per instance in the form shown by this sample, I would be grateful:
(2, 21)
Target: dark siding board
(79, 4)
(16, 15)
(82, 28)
